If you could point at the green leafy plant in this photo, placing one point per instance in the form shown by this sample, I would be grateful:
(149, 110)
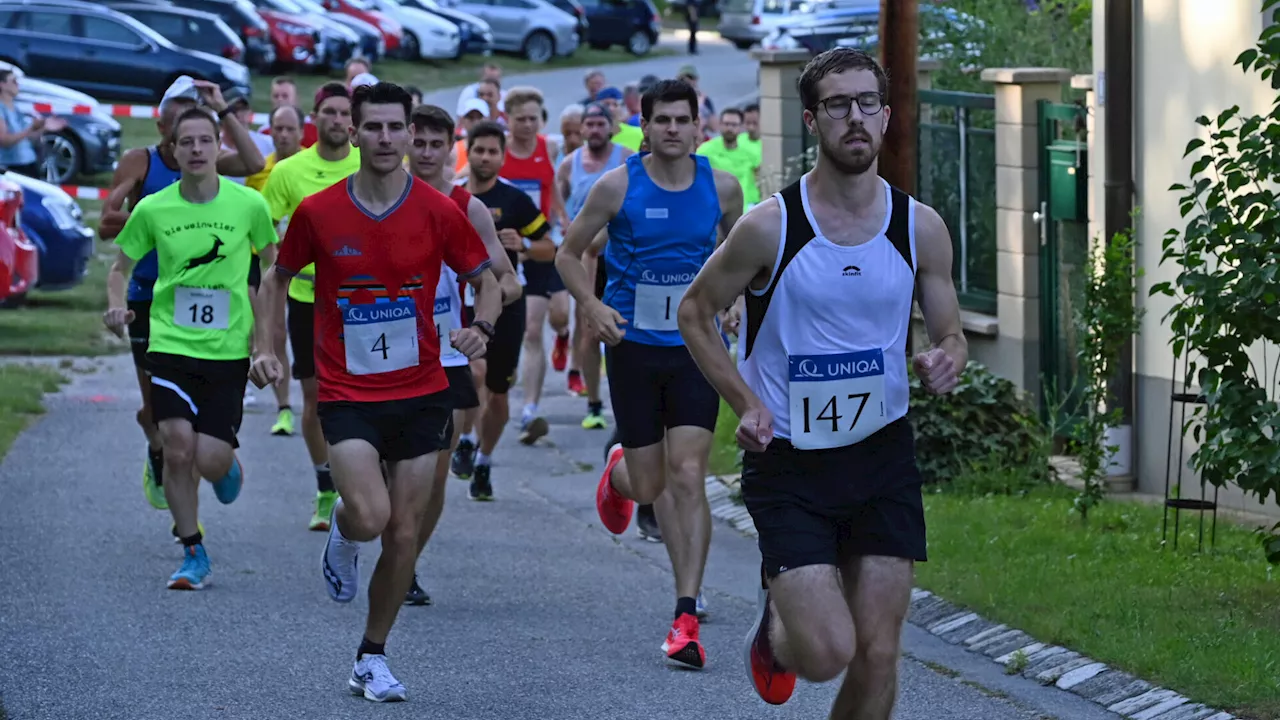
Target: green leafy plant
(1228, 285)
(986, 420)
(1105, 320)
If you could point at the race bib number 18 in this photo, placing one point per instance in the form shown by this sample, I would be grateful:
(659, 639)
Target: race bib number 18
(201, 308)
(380, 337)
(836, 400)
(656, 306)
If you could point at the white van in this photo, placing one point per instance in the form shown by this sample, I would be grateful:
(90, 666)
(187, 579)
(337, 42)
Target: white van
(746, 22)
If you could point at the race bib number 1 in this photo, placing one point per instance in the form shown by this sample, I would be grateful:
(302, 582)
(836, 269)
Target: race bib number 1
(201, 308)
(380, 337)
(656, 306)
(836, 400)
(443, 313)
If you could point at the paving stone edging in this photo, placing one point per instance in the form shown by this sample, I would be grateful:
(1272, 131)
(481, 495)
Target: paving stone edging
(1117, 691)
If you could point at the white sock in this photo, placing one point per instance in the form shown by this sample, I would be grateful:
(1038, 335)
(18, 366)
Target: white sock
(481, 458)
(469, 437)
(530, 410)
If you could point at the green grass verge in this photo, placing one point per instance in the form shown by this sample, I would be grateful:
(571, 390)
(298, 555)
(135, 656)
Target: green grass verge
(21, 389)
(1205, 625)
(724, 450)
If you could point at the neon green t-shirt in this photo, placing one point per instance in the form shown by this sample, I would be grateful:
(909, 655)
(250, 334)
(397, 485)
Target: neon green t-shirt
(629, 136)
(741, 162)
(293, 179)
(200, 305)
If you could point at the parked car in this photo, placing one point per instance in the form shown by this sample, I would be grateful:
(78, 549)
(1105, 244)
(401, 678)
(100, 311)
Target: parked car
(746, 22)
(633, 24)
(99, 51)
(534, 28)
(859, 27)
(579, 11)
(189, 29)
(474, 35)
(334, 43)
(19, 259)
(89, 144)
(53, 221)
(392, 31)
(241, 17)
(372, 45)
(426, 36)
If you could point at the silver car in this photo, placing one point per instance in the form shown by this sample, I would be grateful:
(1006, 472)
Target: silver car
(746, 22)
(534, 28)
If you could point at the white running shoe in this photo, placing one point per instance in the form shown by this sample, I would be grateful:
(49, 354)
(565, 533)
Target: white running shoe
(371, 678)
(340, 562)
(250, 398)
(701, 607)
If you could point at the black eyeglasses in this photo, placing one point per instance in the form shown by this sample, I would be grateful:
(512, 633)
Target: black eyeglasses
(839, 106)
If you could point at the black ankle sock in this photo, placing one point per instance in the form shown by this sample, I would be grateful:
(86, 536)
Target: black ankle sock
(282, 408)
(573, 372)
(686, 606)
(324, 481)
(193, 540)
(595, 408)
(370, 648)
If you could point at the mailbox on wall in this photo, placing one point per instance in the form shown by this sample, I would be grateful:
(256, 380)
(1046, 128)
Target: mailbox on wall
(1068, 181)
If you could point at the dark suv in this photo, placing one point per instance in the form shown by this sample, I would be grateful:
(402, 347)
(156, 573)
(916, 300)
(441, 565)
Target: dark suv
(101, 52)
(633, 24)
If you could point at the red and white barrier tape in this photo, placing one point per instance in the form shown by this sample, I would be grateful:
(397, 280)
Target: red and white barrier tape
(129, 111)
(82, 192)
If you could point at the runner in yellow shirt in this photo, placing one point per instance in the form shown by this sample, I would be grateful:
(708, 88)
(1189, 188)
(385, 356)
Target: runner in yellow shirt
(311, 170)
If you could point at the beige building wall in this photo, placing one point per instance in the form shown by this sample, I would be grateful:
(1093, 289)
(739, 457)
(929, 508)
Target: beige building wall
(1184, 67)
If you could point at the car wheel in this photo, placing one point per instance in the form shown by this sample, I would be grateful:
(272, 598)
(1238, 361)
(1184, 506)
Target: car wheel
(743, 44)
(410, 48)
(539, 48)
(639, 43)
(62, 158)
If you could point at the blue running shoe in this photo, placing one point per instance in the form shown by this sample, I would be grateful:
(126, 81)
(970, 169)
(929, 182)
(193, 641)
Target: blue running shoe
(228, 488)
(194, 573)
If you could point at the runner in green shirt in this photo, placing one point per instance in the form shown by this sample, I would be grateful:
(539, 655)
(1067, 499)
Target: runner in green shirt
(732, 152)
(204, 230)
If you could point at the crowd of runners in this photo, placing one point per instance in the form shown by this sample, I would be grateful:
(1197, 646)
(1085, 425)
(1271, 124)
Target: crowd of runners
(407, 258)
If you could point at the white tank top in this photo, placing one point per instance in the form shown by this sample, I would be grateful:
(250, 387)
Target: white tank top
(826, 339)
(448, 316)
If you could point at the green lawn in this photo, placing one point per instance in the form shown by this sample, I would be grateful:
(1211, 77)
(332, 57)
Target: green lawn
(21, 388)
(1207, 626)
(724, 450)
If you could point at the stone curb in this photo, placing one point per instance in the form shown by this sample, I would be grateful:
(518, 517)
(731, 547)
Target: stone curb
(1117, 691)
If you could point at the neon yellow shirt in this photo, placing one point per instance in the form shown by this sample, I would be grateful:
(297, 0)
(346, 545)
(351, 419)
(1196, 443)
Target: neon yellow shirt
(258, 180)
(629, 136)
(742, 162)
(200, 307)
(297, 177)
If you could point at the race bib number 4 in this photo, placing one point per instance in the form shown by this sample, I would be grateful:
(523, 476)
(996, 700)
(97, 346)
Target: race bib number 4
(656, 306)
(380, 337)
(836, 400)
(444, 325)
(201, 308)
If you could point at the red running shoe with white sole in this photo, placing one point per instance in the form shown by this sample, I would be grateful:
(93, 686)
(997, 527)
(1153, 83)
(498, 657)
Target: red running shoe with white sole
(772, 682)
(576, 385)
(682, 643)
(613, 507)
(560, 353)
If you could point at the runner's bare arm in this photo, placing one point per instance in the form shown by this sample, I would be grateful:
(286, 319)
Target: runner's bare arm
(126, 185)
(488, 297)
(482, 220)
(936, 291)
(558, 214)
(744, 260)
(603, 203)
(246, 159)
(563, 175)
(269, 303)
(543, 249)
(730, 192)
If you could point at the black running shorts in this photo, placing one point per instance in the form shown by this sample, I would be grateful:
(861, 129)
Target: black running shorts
(397, 429)
(462, 388)
(653, 388)
(302, 338)
(502, 356)
(207, 393)
(541, 279)
(140, 331)
(602, 278)
(827, 507)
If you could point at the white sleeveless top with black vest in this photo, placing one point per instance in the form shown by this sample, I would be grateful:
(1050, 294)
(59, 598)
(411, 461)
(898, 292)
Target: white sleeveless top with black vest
(826, 339)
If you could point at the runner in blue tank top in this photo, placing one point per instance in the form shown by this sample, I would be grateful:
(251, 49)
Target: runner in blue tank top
(665, 212)
(142, 172)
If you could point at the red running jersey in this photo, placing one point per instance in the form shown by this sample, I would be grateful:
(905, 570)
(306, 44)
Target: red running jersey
(376, 278)
(534, 175)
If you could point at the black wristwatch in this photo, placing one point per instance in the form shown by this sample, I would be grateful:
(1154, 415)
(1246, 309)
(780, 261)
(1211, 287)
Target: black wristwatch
(483, 327)
(224, 112)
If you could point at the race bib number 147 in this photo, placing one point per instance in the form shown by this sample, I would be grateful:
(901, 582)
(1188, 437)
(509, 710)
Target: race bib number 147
(836, 400)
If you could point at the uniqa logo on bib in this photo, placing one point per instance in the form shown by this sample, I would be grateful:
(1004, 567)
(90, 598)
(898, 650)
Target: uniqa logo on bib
(837, 367)
(442, 305)
(378, 312)
(652, 278)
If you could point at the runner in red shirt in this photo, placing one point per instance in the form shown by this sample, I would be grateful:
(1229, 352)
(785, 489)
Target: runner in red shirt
(378, 241)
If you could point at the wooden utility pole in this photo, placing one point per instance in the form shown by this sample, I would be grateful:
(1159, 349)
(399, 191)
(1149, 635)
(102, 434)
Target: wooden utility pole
(899, 46)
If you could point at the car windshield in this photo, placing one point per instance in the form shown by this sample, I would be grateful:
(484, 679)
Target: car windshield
(289, 6)
(737, 6)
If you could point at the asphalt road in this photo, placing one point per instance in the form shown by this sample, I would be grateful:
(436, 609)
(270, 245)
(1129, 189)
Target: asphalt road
(539, 612)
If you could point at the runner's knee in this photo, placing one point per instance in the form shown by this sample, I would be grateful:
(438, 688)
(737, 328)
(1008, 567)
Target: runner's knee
(365, 515)
(144, 417)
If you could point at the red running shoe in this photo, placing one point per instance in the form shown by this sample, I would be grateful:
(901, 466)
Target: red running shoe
(560, 353)
(772, 682)
(576, 386)
(613, 507)
(682, 643)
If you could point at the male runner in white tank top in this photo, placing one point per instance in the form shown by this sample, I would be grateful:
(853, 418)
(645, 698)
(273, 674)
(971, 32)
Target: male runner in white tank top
(830, 267)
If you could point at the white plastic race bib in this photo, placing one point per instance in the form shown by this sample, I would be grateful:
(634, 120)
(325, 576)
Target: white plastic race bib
(380, 337)
(532, 188)
(468, 296)
(443, 313)
(656, 306)
(201, 308)
(836, 400)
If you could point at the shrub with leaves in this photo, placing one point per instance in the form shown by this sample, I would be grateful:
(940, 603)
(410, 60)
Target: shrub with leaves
(985, 421)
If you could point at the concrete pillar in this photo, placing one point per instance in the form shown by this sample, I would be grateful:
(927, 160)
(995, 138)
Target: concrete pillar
(782, 127)
(1096, 167)
(1017, 91)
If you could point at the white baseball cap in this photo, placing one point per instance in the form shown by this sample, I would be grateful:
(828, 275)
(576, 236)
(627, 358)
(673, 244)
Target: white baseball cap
(183, 88)
(475, 105)
(363, 79)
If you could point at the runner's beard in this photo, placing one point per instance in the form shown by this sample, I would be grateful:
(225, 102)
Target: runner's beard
(844, 160)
